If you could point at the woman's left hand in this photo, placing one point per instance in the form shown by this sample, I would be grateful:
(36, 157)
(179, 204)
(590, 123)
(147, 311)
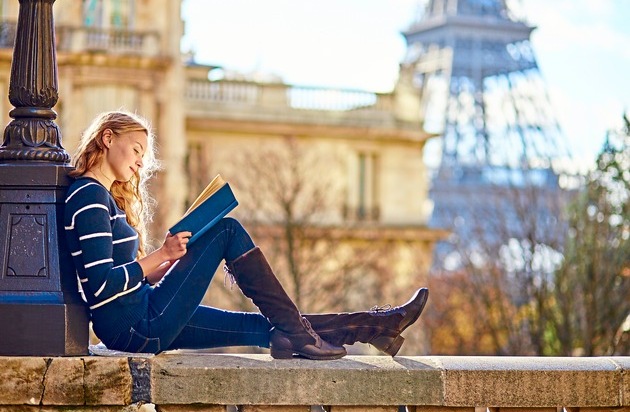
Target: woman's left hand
(157, 275)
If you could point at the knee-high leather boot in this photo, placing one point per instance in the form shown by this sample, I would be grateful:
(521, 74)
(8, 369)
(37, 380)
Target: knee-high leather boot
(291, 333)
(380, 328)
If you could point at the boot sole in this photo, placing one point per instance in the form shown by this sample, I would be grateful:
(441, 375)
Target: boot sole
(422, 294)
(289, 354)
(392, 344)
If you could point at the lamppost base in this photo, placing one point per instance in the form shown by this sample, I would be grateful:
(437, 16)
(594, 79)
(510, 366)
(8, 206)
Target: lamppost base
(32, 328)
(41, 312)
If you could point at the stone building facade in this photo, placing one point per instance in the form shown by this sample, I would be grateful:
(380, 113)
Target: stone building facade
(366, 148)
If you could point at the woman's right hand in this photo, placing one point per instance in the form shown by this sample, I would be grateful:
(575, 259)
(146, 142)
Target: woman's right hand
(174, 246)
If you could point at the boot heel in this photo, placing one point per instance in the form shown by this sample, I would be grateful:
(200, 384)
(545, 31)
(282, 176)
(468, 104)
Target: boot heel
(388, 344)
(281, 353)
(281, 347)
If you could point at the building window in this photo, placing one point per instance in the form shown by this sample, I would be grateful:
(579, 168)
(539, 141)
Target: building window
(122, 14)
(118, 14)
(3, 9)
(93, 13)
(364, 205)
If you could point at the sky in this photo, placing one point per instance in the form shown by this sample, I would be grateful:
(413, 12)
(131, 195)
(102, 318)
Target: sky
(582, 49)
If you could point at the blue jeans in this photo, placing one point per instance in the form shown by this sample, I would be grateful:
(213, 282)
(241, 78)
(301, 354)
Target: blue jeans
(175, 318)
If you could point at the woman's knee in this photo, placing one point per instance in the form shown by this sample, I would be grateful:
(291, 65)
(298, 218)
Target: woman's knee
(232, 223)
(239, 242)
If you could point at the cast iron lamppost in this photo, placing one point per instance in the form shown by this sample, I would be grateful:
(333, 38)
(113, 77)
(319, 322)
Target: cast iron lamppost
(41, 313)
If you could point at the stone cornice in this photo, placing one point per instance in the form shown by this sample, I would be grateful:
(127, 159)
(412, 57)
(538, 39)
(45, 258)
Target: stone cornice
(301, 127)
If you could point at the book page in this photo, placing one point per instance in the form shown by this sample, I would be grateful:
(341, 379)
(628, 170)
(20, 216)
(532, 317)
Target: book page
(212, 187)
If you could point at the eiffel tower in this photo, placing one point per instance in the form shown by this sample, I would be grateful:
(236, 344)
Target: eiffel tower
(483, 92)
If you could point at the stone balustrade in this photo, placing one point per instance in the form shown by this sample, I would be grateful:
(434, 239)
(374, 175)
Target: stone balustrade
(82, 39)
(197, 381)
(251, 101)
(295, 97)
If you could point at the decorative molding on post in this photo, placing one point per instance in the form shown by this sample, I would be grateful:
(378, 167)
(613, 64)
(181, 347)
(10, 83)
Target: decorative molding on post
(33, 134)
(41, 313)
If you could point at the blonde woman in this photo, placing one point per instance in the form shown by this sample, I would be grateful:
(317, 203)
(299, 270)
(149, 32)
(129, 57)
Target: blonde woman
(150, 302)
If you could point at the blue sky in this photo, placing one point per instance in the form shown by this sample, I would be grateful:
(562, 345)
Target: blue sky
(582, 48)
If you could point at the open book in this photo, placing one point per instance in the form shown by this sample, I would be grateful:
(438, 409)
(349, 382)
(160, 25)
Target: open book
(214, 202)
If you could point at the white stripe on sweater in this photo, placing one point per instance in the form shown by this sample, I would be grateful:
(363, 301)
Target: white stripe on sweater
(93, 235)
(126, 278)
(79, 189)
(127, 239)
(106, 301)
(98, 292)
(81, 292)
(83, 209)
(98, 262)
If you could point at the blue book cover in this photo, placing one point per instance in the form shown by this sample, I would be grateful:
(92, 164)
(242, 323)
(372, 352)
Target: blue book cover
(216, 201)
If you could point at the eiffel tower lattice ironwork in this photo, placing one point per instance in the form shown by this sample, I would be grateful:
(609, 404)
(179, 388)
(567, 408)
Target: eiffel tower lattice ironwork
(483, 92)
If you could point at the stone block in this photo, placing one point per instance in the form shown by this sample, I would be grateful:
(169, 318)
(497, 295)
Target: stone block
(530, 409)
(21, 380)
(439, 409)
(623, 365)
(63, 382)
(276, 408)
(364, 409)
(108, 381)
(525, 382)
(353, 380)
(603, 409)
(77, 408)
(191, 408)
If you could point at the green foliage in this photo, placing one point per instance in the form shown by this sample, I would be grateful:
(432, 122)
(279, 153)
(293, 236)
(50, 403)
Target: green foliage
(593, 288)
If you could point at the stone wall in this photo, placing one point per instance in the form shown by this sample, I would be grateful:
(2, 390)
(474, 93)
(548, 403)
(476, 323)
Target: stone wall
(196, 381)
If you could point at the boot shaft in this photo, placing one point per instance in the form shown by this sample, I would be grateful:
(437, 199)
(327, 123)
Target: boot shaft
(257, 281)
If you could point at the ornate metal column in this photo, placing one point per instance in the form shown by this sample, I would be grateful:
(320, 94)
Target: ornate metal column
(40, 310)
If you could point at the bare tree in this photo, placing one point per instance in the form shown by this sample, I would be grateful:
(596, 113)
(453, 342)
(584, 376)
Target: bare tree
(532, 270)
(500, 264)
(290, 199)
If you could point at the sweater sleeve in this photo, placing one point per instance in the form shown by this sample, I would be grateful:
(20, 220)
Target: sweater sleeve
(91, 218)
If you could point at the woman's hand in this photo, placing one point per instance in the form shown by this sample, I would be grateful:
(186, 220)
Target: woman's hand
(154, 265)
(157, 275)
(174, 246)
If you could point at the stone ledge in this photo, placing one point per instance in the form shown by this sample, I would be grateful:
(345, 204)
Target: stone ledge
(181, 378)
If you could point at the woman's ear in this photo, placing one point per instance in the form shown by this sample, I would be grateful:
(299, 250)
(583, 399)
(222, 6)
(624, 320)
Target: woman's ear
(106, 137)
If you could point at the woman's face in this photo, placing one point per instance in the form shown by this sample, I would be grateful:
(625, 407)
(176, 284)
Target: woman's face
(125, 153)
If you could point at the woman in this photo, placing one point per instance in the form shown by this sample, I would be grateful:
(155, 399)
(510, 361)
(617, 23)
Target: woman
(150, 302)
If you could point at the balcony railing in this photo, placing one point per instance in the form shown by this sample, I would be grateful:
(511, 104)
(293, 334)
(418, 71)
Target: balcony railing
(196, 381)
(293, 97)
(115, 41)
(91, 39)
(223, 92)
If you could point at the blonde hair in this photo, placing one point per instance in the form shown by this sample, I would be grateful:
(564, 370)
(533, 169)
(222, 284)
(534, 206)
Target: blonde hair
(131, 196)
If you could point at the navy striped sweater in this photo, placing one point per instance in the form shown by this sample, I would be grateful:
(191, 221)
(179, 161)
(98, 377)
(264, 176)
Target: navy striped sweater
(104, 248)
